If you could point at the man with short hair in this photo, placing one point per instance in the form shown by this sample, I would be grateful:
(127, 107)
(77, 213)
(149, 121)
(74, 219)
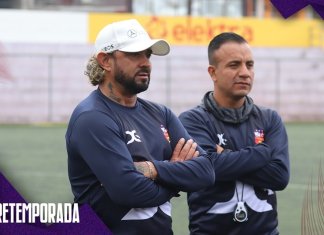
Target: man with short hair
(243, 199)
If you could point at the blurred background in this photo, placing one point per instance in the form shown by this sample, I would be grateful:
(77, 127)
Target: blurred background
(45, 46)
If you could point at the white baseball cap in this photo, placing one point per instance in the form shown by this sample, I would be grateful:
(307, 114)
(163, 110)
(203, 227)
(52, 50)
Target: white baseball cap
(128, 36)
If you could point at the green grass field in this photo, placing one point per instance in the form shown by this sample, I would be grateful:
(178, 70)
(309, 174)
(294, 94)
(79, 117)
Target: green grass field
(33, 159)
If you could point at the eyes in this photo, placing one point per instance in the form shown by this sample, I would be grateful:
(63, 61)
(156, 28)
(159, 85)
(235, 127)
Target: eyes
(237, 64)
(147, 53)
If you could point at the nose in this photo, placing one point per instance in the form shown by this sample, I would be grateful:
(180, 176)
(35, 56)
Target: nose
(244, 71)
(145, 60)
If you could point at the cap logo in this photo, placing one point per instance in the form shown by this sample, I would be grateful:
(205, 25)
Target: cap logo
(131, 33)
(128, 36)
(108, 48)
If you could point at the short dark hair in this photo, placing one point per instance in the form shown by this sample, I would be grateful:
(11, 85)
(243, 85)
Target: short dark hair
(219, 40)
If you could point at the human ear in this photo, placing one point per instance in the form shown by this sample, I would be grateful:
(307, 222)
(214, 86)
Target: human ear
(104, 60)
(211, 70)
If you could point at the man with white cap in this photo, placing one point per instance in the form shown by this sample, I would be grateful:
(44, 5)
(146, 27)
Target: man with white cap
(127, 157)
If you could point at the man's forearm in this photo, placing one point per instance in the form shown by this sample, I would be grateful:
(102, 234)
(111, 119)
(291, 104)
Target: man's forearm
(184, 150)
(147, 169)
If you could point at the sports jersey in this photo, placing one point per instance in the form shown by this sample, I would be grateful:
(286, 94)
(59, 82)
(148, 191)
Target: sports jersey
(103, 141)
(211, 210)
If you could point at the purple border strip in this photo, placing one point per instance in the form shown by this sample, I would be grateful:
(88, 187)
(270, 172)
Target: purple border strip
(317, 2)
(289, 7)
(319, 9)
(89, 222)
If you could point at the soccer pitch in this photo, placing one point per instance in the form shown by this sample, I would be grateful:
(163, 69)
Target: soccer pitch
(33, 158)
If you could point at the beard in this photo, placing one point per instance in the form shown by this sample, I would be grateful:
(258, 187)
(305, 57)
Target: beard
(129, 83)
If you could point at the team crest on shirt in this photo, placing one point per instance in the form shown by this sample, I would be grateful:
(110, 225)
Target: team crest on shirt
(221, 140)
(258, 136)
(165, 133)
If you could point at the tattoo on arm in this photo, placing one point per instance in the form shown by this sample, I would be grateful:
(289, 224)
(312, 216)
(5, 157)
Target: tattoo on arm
(147, 169)
(143, 168)
(111, 93)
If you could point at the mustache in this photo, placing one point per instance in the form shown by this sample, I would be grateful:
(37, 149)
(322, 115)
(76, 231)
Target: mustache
(144, 70)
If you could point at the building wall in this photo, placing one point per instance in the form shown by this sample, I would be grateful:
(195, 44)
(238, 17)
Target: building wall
(43, 80)
(42, 83)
